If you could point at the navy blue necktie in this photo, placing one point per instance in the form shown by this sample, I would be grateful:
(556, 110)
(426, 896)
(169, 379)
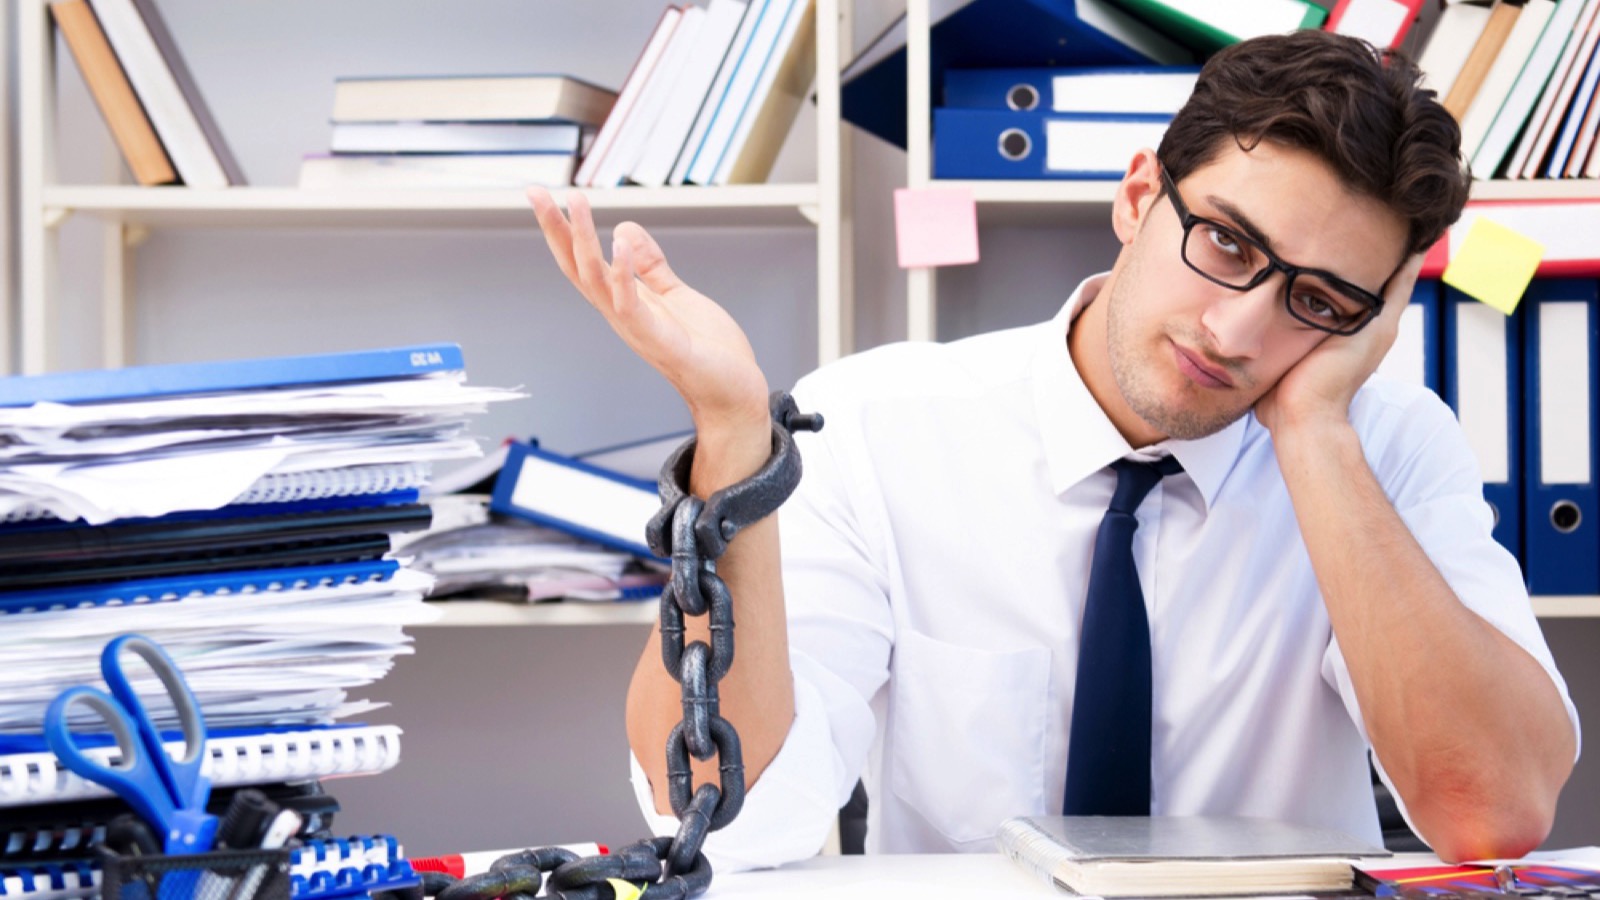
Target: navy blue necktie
(1108, 763)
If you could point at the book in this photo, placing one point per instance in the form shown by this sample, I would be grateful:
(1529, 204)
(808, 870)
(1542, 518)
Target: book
(456, 137)
(367, 171)
(632, 86)
(1137, 856)
(1517, 112)
(576, 497)
(1208, 27)
(707, 153)
(1578, 116)
(1503, 72)
(1454, 34)
(230, 760)
(754, 11)
(113, 95)
(155, 79)
(634, 133)
(1381, 23)
(689, 93)
(190, 90)
(1502, 18)
(1533, 148)
(774, 102)
(470, 98)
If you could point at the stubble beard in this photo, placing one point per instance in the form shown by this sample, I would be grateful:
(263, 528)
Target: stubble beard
(1136, 380)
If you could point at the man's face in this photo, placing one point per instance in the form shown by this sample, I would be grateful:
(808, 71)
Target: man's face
(1189, 356)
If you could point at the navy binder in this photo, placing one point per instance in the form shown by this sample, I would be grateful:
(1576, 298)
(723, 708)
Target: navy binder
(1563, 500)
(1111, 89)
(143, 382)
(573, 496)
(1002, 143)
(1483, 384)
(1415, 356)
(995, 33)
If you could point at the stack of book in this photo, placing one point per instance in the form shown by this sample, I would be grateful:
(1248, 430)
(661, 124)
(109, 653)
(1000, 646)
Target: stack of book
(1520, 78)
(457, 131)
(242, 516)
(711, 97)
(138, 80)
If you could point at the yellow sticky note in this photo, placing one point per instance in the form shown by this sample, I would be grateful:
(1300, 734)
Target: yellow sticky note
(624, 890)
(935, 226)
(1493, 264)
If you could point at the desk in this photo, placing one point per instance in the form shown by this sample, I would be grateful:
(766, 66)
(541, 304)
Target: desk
(878, 877)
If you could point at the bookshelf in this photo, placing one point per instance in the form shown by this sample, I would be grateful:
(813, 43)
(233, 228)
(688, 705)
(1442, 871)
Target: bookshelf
(128, 213)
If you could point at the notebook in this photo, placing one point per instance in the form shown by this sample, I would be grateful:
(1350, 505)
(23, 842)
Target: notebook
(1135, 856)
(27, 778)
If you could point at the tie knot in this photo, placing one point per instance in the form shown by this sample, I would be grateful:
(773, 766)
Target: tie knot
(1135, 479)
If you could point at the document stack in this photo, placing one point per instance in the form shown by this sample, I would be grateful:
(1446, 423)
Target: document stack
(238, 514)
(457, 131)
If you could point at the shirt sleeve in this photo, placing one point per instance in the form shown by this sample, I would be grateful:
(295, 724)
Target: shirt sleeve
(840, 634)
(1430, 474)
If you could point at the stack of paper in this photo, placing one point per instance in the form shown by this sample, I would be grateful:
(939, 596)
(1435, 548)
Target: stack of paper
(241, 515)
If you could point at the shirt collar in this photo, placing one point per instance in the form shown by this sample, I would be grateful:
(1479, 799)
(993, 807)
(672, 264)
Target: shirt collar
(1079, 438)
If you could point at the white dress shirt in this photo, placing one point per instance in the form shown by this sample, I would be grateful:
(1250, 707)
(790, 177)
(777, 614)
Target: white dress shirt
(936, 559)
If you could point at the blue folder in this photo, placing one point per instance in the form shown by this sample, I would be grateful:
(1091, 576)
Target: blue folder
(142, 382)
(1035, 88)
(1562, 490)
(1007, 144)
(1483, 384)
(1415, 356)
(993, 33)
(593, 503)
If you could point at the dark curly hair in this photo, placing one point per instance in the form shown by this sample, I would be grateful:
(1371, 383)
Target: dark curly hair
(1361, 110)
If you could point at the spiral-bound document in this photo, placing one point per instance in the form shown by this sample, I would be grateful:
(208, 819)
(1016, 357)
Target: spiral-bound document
(27, 778)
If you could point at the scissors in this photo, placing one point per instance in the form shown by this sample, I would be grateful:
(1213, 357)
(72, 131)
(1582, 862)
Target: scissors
(169, 794)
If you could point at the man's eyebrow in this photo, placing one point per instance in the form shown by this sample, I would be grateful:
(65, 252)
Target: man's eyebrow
(1237, 215)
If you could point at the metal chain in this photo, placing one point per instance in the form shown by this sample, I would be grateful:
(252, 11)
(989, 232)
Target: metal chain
(693, 534)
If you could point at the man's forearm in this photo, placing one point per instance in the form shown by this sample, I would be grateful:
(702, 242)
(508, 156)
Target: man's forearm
(1468, 725)
(757, 694)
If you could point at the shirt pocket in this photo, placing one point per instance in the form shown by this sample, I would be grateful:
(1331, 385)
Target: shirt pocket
(968, 729)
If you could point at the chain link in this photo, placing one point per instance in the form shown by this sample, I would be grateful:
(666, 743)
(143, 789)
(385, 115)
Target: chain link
(693, 534)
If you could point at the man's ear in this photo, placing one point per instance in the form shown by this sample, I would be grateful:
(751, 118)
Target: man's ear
(1136, 195)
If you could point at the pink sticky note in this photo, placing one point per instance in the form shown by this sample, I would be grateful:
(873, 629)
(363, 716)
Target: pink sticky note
(935, 227)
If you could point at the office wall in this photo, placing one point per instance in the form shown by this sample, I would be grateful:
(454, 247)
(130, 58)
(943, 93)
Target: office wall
(534, 709)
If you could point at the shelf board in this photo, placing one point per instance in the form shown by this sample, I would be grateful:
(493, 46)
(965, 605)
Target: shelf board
(1064, 202)
(1566, 607)
(745, 205)
(493, 613)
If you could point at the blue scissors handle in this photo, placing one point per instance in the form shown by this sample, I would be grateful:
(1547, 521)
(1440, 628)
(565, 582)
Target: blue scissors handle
(169, 794)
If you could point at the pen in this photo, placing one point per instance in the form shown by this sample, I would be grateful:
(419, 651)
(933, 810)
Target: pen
(464, 865)
(282, 827)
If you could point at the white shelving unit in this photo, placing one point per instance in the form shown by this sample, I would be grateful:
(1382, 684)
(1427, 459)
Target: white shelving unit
(130, 212)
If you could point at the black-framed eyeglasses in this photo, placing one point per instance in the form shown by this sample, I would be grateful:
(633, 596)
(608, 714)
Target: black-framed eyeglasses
(1224, 256)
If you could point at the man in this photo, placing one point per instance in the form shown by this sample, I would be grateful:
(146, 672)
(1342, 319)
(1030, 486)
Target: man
(1318, 579)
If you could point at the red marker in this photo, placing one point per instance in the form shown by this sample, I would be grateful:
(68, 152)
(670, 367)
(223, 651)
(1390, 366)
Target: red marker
(461, 865)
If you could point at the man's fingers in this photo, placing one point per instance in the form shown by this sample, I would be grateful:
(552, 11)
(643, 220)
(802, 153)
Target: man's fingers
(593, 273)
(557, 232)
(648, 260)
